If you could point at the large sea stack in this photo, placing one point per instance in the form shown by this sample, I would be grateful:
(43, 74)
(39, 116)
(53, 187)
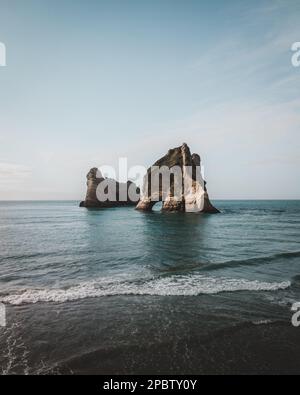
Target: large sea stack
(193, 196)
(94, 178)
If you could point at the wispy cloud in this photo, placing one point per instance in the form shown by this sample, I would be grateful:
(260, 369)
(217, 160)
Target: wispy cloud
(12, 173)
(255, 59)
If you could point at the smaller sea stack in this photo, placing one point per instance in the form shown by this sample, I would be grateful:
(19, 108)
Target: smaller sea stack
(121, 198)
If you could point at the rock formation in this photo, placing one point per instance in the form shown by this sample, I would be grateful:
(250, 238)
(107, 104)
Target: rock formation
(186, 190)
(117, 194)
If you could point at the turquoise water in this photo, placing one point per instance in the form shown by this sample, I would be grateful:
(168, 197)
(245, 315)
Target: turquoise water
(118, 278)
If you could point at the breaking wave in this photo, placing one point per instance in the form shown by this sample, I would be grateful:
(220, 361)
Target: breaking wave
(179, 285)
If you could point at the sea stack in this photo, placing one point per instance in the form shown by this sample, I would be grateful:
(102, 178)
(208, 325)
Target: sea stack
(193, 196)
(121, 198)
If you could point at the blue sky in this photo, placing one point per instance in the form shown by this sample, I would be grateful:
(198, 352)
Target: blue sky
(87, 82)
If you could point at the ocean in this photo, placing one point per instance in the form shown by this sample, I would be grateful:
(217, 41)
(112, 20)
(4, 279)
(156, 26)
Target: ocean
(118, 291)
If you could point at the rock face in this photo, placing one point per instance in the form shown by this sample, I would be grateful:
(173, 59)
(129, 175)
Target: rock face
(186, 190)
(117, 199)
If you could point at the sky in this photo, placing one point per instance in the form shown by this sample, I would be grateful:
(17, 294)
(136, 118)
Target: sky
(89, 81)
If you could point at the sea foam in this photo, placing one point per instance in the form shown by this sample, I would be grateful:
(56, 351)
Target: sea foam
(176, 285)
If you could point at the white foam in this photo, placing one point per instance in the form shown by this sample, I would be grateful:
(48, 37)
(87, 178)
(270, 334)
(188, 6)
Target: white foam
(188, 285)
(262, 322)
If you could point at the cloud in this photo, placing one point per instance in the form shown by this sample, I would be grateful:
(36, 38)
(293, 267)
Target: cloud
(12, 173)
(252, 61)
(243, 145)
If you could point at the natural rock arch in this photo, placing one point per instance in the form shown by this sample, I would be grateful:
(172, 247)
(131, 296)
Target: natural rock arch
(193, 196)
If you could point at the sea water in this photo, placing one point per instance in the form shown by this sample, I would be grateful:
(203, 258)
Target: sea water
(122, 291)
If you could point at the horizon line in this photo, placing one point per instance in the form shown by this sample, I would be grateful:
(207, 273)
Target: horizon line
(219, 199)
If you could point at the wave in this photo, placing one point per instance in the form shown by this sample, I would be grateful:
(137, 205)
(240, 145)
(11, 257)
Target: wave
(177, 285)
(251, 261)
(27, 256)
(263, 322)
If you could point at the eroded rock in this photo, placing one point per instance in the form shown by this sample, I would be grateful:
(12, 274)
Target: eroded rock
(186, 190)
(118, 193)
